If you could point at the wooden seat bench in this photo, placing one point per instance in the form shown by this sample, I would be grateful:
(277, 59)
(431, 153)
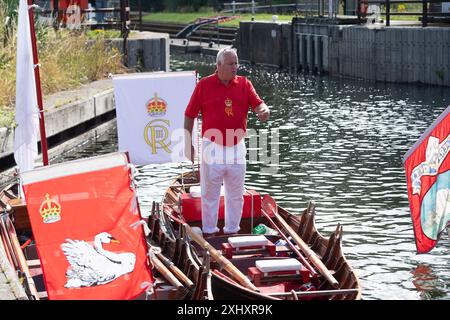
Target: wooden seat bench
(245, 243)
(272, 270)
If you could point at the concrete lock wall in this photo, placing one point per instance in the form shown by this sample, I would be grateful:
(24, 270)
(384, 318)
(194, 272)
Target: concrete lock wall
(147, 51)
(265, 43)
(311, 49)
(392, 54)
(387, 54)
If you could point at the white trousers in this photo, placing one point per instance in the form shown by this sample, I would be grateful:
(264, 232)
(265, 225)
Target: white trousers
(222, 165)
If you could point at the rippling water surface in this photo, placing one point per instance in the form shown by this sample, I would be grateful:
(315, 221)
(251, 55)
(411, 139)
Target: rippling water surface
(340, 144)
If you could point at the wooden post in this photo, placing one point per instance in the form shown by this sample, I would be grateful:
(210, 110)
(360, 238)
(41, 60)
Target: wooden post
(55, 14)
(140, 14)
(388, 13)
(425, 13)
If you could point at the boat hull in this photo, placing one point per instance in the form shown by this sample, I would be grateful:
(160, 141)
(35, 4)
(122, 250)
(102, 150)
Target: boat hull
(222, 286)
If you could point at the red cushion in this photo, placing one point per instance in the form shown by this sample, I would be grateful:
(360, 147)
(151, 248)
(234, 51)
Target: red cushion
(192, 206)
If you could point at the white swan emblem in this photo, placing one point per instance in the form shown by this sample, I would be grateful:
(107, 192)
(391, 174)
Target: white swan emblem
(92, 266)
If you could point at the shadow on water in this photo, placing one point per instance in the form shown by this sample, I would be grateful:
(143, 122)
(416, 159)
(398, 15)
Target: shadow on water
(340, 144)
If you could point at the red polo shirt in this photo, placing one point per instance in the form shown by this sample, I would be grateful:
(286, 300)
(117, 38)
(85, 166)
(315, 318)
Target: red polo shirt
(223, 107)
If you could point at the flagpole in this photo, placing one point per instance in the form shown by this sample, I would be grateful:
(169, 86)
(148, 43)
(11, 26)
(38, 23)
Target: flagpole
(38, 84)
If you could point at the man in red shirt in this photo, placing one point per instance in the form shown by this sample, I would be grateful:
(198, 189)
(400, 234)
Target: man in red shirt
(223, 99)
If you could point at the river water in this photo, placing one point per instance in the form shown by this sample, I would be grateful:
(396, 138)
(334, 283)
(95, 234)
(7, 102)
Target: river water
(340, 144)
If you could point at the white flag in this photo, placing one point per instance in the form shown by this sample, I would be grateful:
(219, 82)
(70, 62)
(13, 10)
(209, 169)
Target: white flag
(27, 111)
(150, 115)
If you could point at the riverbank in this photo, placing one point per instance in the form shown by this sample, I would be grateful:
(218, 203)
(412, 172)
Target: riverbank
(71, 59)
(67, 60)
(68, 115)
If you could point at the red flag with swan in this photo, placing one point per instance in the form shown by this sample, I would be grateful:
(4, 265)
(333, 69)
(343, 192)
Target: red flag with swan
(427, 167)
(87, 227)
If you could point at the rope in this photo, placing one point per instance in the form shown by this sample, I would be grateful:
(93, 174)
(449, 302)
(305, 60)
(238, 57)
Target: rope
(132, 174)
(135, 225)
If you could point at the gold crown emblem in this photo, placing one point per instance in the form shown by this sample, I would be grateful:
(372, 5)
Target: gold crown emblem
(229, 107)
(50, 210)
(156, 107)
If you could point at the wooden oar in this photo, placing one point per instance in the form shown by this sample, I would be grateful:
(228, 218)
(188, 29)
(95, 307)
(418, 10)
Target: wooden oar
(7, 246)
(269, 204)
(217, 256)
(17, 251)
(165, 272)
(291, 245)
(175, 270)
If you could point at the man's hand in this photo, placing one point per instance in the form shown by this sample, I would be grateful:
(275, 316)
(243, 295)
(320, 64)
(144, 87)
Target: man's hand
(262, 111)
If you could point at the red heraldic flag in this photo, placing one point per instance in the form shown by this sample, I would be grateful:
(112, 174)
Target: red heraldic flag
(427, 167)
(86, 225)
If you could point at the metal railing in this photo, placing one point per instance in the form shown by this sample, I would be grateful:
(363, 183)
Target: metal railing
(307, 8)
(115, 16)
(425, 15)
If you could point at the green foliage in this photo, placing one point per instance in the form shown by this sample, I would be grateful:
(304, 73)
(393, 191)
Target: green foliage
(10, 8)
(102, 34)
(8, 19)
(7, 118)
(9, 14)
(185, 18)
(5, 59)
(68, 59)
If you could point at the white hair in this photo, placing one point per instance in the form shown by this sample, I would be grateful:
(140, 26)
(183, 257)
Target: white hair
(221, 54)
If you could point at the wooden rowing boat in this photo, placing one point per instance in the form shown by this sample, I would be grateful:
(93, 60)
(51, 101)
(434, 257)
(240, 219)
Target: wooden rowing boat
(17, 245)
(247, 271)
(189, 266)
